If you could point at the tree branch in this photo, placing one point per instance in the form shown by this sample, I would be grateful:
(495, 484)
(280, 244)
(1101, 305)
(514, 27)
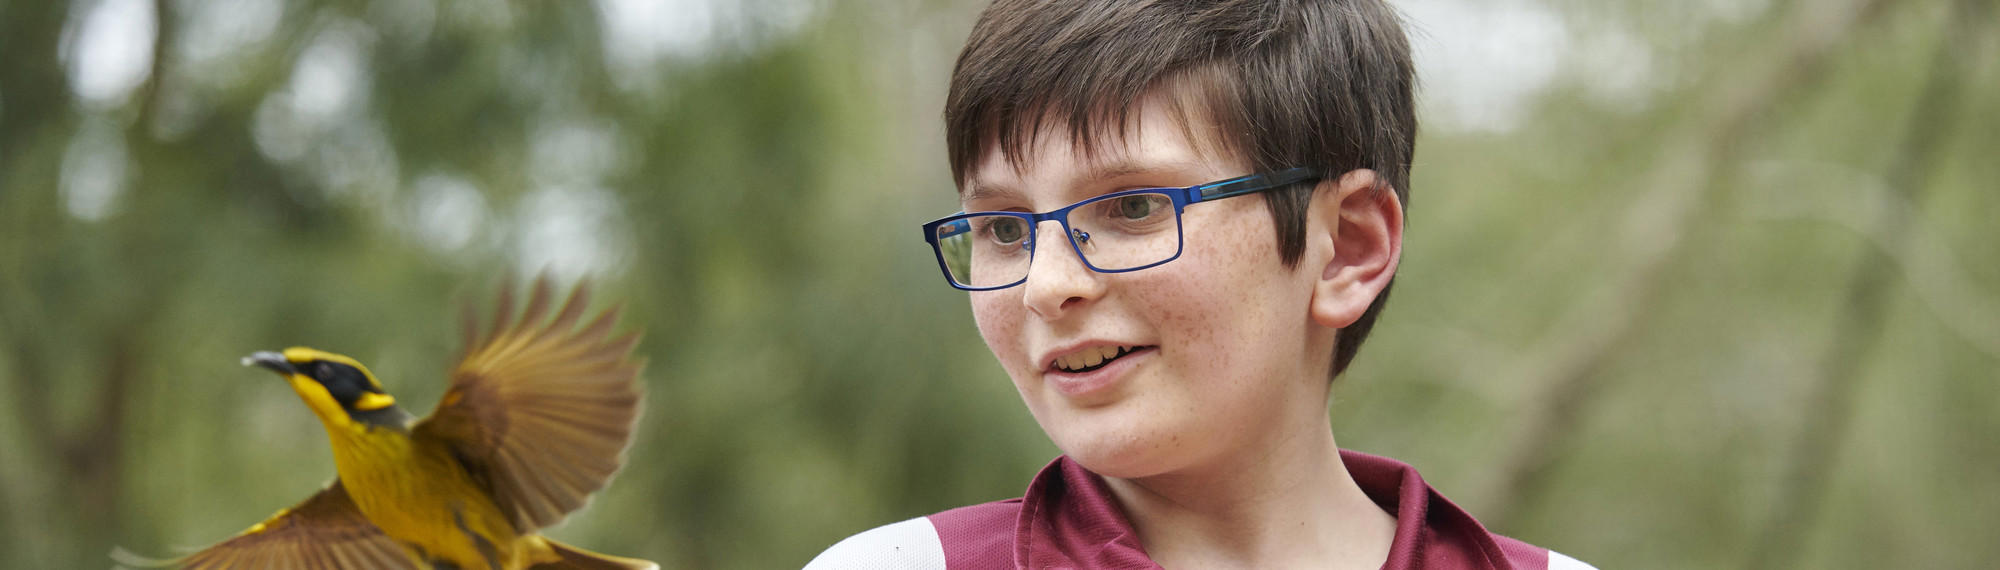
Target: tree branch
(1683, 188)
(1829, 408)
(1926, 262)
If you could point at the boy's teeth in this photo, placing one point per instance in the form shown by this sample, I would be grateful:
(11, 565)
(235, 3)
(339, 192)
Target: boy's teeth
(1087, 358)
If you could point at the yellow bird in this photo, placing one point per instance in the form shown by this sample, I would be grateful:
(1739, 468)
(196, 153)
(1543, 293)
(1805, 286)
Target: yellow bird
(537, 418)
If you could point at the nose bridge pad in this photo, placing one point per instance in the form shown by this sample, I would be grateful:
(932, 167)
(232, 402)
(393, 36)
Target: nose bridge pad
(1081, 240)
(1058, 276)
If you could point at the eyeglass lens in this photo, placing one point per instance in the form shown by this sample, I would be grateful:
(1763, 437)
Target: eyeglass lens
(1113, 233)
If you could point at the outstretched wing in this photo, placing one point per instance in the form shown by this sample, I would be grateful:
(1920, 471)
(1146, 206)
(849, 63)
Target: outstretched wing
(540, 413)
(325, 531)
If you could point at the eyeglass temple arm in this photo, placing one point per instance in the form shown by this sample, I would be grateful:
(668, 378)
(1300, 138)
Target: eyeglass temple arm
(1253, 183)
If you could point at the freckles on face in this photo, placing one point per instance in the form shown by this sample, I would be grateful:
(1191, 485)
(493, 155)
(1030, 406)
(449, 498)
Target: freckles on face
(1216, 316)
(1231, 306)
(1223, 322)
(1228, 367)
(997, 314)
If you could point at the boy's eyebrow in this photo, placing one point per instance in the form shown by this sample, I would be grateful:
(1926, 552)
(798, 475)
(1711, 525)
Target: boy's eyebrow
(977, 190)
(1124, 168)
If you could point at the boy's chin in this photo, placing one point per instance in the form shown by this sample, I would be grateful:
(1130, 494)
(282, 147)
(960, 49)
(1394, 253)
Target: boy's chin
(1123, 451)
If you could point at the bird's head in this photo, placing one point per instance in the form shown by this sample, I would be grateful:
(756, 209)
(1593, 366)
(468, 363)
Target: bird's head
(338, 389)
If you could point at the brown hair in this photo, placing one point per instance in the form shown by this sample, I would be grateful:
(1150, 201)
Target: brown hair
(1284, 83)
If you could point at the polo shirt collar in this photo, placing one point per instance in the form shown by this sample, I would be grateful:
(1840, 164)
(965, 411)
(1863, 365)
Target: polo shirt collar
(1069, 519)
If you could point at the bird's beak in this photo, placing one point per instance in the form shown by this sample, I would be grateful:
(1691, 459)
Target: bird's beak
(273, 361)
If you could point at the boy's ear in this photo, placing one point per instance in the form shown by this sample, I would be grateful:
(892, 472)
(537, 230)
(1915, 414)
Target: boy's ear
(1354, 237)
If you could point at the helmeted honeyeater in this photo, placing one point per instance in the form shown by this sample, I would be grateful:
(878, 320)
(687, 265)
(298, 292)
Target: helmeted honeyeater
(536, 419)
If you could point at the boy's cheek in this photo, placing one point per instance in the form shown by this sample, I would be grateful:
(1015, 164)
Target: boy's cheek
(1000, 327)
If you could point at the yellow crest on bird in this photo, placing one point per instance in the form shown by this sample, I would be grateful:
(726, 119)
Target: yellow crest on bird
(536, 419)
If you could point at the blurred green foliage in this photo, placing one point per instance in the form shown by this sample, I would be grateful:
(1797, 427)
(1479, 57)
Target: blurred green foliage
(346, 174)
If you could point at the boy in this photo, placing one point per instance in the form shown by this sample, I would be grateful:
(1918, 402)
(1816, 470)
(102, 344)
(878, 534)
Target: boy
(1181, 352)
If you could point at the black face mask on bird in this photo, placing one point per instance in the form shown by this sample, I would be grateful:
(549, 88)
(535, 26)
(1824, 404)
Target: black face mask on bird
(338, 389)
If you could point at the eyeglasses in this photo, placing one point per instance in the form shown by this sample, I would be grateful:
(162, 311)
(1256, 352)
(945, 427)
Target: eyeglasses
(1118, 232)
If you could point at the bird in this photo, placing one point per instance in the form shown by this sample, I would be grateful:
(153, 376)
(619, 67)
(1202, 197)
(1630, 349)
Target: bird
(536, 418)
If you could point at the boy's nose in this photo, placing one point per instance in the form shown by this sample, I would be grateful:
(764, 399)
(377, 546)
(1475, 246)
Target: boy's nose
(1057, 278)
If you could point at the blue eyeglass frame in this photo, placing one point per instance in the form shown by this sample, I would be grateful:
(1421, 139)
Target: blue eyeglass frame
(1182, 197)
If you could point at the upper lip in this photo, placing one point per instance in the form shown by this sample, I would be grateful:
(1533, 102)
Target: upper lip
(1050, 358)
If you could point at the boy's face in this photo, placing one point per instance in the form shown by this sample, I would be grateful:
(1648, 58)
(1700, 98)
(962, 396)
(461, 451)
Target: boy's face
(1218, 348)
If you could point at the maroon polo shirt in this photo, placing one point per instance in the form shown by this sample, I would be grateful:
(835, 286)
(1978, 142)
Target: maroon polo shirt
(1068, 519)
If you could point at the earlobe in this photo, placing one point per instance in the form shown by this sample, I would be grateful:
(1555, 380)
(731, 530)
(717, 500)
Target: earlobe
(1356, 224)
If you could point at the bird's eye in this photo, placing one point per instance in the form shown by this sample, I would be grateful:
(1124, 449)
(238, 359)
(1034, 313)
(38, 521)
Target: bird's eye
(323, 370)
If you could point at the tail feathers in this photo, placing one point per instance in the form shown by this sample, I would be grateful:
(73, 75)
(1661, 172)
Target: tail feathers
(574, 558)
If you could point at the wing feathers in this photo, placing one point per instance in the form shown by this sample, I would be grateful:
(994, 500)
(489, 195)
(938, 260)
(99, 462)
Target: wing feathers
(468, 330)
(539, 409)
(538, 302)
(571, 311)
(503, 312)
(601, 327)
(324, 531)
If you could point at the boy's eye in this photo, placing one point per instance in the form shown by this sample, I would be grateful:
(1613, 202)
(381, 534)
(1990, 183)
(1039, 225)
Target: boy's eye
(1006, 230)
(1134, 207)
(1137, 207)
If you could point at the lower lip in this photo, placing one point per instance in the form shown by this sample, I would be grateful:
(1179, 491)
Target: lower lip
(1100, 381)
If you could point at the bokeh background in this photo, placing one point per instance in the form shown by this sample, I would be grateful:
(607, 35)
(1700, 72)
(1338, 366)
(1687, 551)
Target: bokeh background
(1709, 284)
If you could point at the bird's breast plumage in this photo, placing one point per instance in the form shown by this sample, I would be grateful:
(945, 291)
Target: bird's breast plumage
(419, 495)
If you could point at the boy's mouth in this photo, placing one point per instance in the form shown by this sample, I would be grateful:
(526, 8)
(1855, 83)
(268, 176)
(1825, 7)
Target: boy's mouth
(1092, 358)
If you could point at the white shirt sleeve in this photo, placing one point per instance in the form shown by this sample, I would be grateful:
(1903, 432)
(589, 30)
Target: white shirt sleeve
(1559, 561)
(909, 545)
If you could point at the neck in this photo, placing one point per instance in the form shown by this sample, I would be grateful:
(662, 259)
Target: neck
(1294, 505)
